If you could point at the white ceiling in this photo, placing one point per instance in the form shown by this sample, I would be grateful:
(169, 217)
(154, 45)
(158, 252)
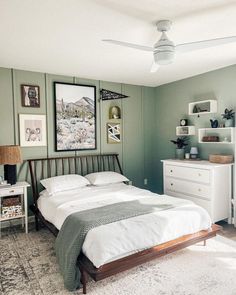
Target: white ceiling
(64, 37)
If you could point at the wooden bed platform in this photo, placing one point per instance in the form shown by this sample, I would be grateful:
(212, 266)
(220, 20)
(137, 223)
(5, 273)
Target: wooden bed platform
(48, 167)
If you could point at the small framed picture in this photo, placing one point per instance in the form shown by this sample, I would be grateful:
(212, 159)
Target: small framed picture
(30, 96)
(113, 133)
(32, 130)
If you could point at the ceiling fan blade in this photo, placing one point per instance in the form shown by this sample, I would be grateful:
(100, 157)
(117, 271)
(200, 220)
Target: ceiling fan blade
(154, 67)
(186, 47)
(131, 45)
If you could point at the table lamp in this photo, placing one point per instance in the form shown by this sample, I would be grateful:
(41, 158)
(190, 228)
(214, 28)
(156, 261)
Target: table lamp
(10, 155)
(194, 153)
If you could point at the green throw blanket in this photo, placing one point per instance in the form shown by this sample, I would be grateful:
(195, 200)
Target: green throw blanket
(71, 237)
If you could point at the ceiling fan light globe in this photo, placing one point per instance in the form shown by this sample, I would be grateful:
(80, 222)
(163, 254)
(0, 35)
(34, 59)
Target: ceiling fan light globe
(164, 57)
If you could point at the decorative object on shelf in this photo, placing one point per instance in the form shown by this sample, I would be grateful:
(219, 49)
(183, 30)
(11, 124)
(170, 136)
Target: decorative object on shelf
(11, 207)
(32, 130)
(75, 116)
(214, 123)
(229, 117)
(183, 122)
(194, 153)
(221, 159)
(114, 112)
(187, 156)
(202, 107)
(30, 96)
(113, 133)
(181, 143)
(185, 130)
(109, 95)
(10, 155)
(210, 138)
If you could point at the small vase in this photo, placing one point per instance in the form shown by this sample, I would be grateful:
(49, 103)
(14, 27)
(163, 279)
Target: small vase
(229, 123)
(179, 154)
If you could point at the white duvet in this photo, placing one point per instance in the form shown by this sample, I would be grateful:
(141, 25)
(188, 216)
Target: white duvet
(118, 239)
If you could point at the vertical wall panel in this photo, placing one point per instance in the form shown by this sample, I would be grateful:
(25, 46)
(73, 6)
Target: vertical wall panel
(133, 154)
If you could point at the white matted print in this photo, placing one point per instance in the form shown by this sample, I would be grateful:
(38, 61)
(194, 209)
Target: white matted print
(113, 133)
(33, 130)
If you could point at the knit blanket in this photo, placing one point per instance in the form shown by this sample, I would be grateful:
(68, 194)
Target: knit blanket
(70, 239)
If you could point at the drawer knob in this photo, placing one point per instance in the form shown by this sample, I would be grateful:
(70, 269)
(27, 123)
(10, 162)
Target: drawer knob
(12, 191)
(199, 174)
(171, 184)
(171, 171)
(199, 190)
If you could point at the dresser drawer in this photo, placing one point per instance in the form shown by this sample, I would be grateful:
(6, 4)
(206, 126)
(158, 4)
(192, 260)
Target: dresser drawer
(11, 191)
(188, 188)
(194, 174)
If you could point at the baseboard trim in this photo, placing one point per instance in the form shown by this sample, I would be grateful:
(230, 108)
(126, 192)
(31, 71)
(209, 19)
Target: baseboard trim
(13, 222)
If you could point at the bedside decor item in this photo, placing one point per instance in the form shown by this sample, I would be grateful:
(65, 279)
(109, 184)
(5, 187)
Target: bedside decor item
(194, 153)
(221, 159)
(109, 95)
(114, 112)
(32, 130)
(75, 116)
(30, 96)
(229, 117)
(113, 133)
(181, 143)
(210, 138)
(183, 122)
(10, 155)
(202, 107)
(214, 123)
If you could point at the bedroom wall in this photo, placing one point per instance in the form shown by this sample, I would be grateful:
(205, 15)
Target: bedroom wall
(172, 105)
(136, 150)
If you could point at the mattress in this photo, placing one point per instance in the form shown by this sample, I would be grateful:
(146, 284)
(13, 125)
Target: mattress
(112, 241)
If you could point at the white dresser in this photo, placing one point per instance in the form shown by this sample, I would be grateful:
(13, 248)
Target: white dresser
(207, 184)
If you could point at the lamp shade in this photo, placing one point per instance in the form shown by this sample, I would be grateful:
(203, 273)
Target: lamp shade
(10, 155)
(194, 151)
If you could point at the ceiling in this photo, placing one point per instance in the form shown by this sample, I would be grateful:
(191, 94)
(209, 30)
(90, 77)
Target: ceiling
(64, 37)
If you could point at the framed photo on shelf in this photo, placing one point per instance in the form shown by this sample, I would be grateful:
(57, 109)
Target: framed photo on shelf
(32, 130)
(113, 133)
(30, 96)
(75, 117)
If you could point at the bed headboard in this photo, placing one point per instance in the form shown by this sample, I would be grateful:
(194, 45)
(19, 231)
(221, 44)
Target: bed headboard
(82, 165)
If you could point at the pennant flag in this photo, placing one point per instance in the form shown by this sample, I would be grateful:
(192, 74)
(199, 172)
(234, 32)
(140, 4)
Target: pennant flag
(108, 95)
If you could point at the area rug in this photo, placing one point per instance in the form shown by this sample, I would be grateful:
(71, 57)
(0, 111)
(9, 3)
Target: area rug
(28, 266)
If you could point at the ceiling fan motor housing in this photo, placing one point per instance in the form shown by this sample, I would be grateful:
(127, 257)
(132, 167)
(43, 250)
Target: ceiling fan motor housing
(164, 51)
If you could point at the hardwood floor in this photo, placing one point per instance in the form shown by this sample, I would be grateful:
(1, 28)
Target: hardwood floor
(228, 231)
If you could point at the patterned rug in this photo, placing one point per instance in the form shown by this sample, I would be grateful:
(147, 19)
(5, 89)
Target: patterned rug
(28, 266)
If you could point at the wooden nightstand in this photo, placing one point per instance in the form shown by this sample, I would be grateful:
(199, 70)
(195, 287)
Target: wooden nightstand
(20, 188)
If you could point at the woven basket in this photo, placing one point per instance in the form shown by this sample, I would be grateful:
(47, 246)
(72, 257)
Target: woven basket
(221, 159)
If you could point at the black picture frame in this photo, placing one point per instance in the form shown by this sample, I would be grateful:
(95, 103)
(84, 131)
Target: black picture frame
(75, 117)
(30, 96)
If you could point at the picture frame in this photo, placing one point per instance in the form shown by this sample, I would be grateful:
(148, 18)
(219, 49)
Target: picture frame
(30, 96)
(75, 117)
(113, 133)
(32, 130)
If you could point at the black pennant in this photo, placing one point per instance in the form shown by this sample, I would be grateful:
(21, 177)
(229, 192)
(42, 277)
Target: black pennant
(108, 95)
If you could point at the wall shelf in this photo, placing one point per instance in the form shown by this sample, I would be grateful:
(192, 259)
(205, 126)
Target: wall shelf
(202, 107)
(185, 130)
(226, 135)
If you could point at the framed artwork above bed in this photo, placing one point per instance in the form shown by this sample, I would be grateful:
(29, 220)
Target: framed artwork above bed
(75, 116)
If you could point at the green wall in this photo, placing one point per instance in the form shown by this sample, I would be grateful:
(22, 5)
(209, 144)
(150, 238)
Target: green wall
(136, 151)
(172, 104)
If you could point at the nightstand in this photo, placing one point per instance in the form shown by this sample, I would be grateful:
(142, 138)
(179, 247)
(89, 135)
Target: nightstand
(20, 188)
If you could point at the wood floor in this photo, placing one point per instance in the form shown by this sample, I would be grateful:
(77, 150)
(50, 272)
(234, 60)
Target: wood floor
(228, 231)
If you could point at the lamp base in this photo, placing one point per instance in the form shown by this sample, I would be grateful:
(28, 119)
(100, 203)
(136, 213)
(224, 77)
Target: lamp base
(10, 174)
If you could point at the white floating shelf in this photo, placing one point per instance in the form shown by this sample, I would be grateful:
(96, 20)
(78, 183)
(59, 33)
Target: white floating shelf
(226, 135)
(185, 130)
(202, 107)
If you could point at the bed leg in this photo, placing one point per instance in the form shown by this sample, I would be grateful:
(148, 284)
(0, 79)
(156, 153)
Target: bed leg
(36, 223)
(84, 279)
(204, 243)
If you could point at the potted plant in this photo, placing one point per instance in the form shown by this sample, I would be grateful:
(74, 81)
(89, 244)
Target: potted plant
(229, 118)
(181, 143)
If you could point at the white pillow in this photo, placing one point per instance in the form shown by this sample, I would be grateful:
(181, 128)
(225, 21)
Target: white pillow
(106, 177)
(64, 182)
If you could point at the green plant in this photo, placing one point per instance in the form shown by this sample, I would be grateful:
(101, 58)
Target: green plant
(180, 142)
(228, 114)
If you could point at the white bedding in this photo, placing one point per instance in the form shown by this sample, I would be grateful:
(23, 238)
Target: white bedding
(115, 240)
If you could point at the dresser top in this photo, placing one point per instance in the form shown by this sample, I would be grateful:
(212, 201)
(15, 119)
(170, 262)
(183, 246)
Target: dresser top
(196, 163)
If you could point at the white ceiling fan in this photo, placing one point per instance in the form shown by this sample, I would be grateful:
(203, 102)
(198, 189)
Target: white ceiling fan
(164, 49)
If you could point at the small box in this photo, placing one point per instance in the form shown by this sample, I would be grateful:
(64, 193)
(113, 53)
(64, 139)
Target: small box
(210, 138)
(221, 159)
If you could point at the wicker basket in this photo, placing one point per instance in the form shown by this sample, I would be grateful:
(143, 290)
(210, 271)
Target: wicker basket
(221, 159)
